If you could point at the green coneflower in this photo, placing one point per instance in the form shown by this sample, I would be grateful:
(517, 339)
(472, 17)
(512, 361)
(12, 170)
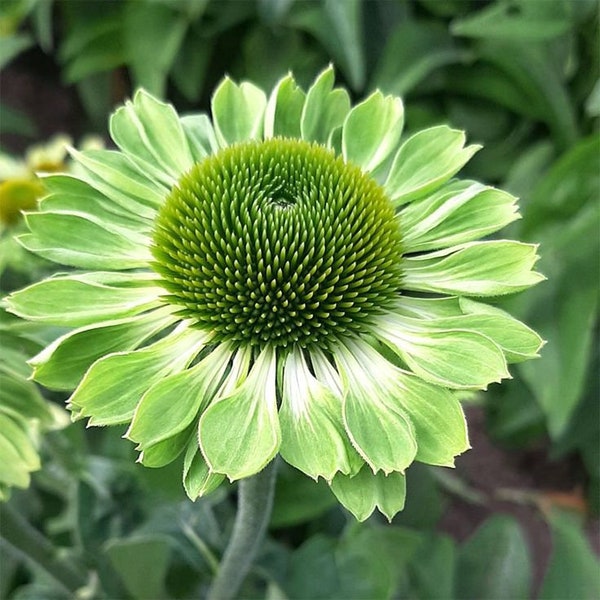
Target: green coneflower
(287, 277)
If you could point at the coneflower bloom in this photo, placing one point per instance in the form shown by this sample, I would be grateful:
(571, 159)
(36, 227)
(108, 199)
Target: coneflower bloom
(285, 276)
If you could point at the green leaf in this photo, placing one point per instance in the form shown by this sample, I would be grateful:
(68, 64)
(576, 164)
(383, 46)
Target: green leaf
(425, 161)
(150, 133)
(459, 212)
(380, 430)
(142, 562)
(77, 300)
(174, 402)
(573, 570)
(62, 364)
(494, 562)
(324, 110)
(238, 112)
(191, 64)
(284, 109)
(413, 53)
(162, 28)
(474, 269)
(239, 432)
(299, 499)
(12, 45)
(313, 438)
(371, 130)
(433, 569)
(365, 491)
(102, 394)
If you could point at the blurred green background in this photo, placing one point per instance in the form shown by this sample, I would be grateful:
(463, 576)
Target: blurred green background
(518, 517)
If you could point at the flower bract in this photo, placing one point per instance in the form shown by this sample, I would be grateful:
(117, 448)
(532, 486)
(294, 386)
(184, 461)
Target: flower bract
(290, 275)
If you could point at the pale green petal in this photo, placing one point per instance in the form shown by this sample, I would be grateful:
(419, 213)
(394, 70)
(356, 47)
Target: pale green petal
(239, 433)
(150, 133)
(13, 470)
(324, 110)
(366, 491)
(474, 269)
(62, 364)
(114, 175)
(313, 438)
(76, 300)
(284, 109)
(434, 412)
(70, 193)
(238, 112)
(451, 357)
(113, 386)
(198, 479)
(372, 129)
(165, 452)
(84, 241)
(379, 430)
(201, 135)
(171, 404)
(459, 212)
(429, 308)
(426, 161)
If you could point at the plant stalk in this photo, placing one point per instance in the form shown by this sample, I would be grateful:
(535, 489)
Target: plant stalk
(255, 503)
(35, 547)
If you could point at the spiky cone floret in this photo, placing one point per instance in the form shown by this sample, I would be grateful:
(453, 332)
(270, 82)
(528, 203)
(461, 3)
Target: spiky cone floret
(288, 275)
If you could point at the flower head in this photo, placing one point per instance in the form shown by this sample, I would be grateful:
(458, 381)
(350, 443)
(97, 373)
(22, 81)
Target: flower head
(288, 276)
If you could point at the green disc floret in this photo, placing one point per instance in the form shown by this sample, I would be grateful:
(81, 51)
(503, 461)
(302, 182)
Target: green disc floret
(278, 242)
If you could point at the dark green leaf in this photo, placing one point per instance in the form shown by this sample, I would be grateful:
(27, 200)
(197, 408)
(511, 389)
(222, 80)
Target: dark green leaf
(494, 562)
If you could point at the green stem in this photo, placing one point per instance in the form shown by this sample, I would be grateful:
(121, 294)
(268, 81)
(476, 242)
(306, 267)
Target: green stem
(255, 502)
(33, 546)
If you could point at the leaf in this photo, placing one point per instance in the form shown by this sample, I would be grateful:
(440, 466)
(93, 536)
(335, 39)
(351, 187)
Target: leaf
(573, 570)
(162, 28)
(494, 562)
(432, 571)
(13, 45)
(519, 21)
(142, 562)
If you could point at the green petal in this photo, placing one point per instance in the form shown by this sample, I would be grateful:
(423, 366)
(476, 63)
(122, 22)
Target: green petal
(284, 109)
(69, 193)
(200, 135)
(474, 269)
(239, 433)
(113, 174)
(429, 308)
(170, 405)
(62, 364)
(165, 452)
(313, 438)
(459, 212)
(77, 300)
(426, 161)
(150, 133)
(454, 358)
(324, 109)
(113, 386)
(380, 431)
(84, 241)
(372, 129)
(198, 479)
(13, 470)
(364, 492)
(238, 112)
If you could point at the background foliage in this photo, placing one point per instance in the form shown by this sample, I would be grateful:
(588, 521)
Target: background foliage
(521, 77)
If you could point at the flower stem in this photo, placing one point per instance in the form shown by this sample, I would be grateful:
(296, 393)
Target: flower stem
(35, 547)
(255, 502)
